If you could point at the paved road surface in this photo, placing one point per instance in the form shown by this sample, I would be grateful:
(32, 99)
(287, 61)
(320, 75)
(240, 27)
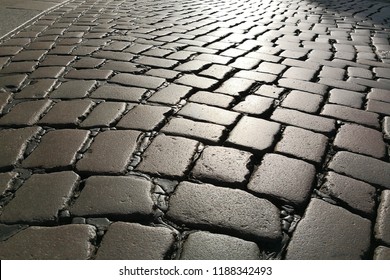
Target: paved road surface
(197, 130)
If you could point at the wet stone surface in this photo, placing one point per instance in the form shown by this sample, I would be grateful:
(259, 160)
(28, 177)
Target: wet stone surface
(227, 130)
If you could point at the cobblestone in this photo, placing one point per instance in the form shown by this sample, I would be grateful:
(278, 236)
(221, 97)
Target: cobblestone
(120, 93)
(382, 224)
(171, 95)
(125, 241)
(202, 245)
(196, 81)
(285, 179)
(37, 89)
(382, 253)
(303, 86)
(6, 180)
(49, 193)
(378, 107)
(329, 232)
(254, 105)
(73, 89)
(25, 113)
(67, 242)
(138, 81)
(234, 86)
(104, 115)
(210, 207)
(346, 97)
(294, 101)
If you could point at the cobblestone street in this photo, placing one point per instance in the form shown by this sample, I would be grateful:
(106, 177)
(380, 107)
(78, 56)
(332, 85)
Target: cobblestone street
(197, 129)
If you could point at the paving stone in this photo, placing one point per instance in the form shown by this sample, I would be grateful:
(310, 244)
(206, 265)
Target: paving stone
(9, 51)
(6, 180)
(67, 113)
(245, 63)
(382, 226)
(302, 64)
(299, 73)
(379, 94)
(382, 253)
(208, 113)
(303, 144)
(269, 91)
(264, 56)
(104, 115)
(378, 107)
(361, 140)
(121, 66)
(40, 198)
(346, 97)
(144, 117)
(181, 55)
(303, 101)
(242, 134)
(342, 84)
(14, 143)
(176, 150)
(361, 167)
(171, 94)
(13, 82)
(212, 98)
(296, 118)
(382, 72)
(303, 86)
(73, 89)
(108, 196)
(272, 68)
(67, 242)
(206, 206)
(256, 76)
(359, 72)
(254, 105)
(110, 152)
(203, 245)
(192, 66)
(386, 127)
(138, 81)
(125, 241)
(156, 62)
(47, 72)
(114, 92)
(65, 142)
(162, 73)
(121, 56)
(57, 60)
(219, 59)
(329, 232)
(29, 55)
(205, 132)
(216, 71)
(197, 81)
(25, 113)
(332, 73)
(89, 74)
(19, 67)
(36, 89)
(88, 62)
(234, 86)
(222, 165)
(117, 46)
(355, 194)
(5, 97)
(137, 48)
(351, 115)
(285, 179)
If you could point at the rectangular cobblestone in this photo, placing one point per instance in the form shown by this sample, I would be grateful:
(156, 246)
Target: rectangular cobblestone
(351, 114)
(329, 232)
(88, 62)
(254, 105)
(89, 74)
(303, 86)
(110, 152)
(378, 107)
(176, 150)
(346, 97)
(206, 206)
(29, 55)
(197, 81)
(67, 242)
(104, 115)
(234, 86)
(171, 94)
(138, 81)
(5, 97)
(67, 113)
(285, 179)
(342, 84)
(109, 196)
(121, 56)
(256, 76)
(300, 119)
(272, 68)
(121, 66)
(212, 98)
(36, 89)
(242, 134)
(362, 167)
(299, 73)
(73, 89)
(144, 117)
(156, 62)
(40, 198)
(25, 113)
(208, 113)
(294, 100)
(121, 93)
(379, 94)
(382, 225)
(14, 142)
(19, 67)
(6, 180)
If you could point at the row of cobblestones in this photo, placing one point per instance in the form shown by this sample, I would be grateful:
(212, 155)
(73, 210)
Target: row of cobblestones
(197, 130)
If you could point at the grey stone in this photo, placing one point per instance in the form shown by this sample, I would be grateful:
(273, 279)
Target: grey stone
(171, 95)
(113, 92)
(105, 196)
(212, 99)
(168, 155)
(382, 253)
(234, 86)
(138, 81)
(40, 198)
(125, 241)
(73, 89)
(104, 115)
(286, 179)
(6, 180)
(208, 246)
(68, 242)
(196, 81)
(362, 167)
(382, 226)
(37, 89)
(25, 113)
(222, 165)
(329, 232)
(210, 207)
(303, 101)
(254, 105)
